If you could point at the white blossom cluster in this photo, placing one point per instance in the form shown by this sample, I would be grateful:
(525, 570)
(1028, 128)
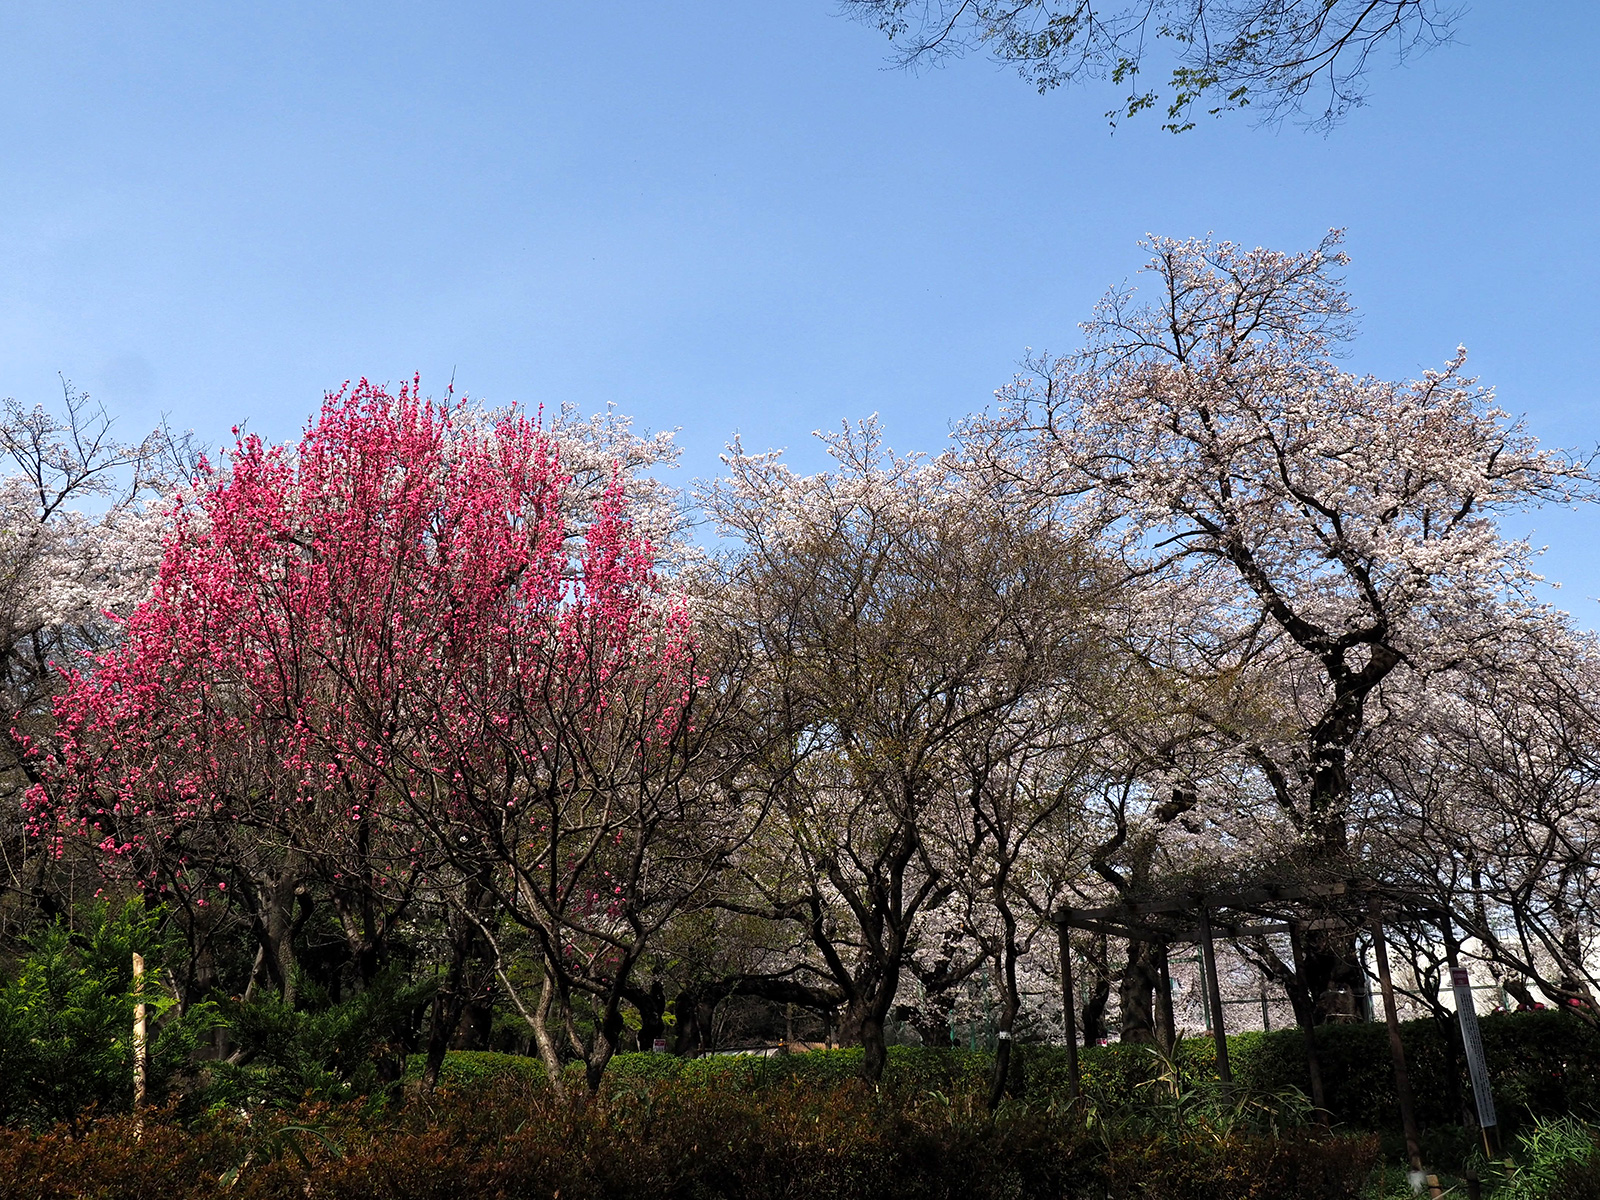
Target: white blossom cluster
(82, 517)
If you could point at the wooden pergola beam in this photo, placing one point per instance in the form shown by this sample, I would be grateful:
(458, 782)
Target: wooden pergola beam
(1151, 920)
(1171, 931)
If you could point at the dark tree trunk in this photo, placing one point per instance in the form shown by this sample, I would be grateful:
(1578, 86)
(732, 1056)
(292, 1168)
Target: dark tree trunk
(934, 1020)
(652, 1006)
(863, 1025)
(1005, 1045)
(1335, 976)
(287, 907)
(450, 1001)
(695, 1011)
(1166, 1024)
(605, 1046)
(1137, 994)
(1096, 991)
(1010, 1003)
(445, 1016)
(475, 1022)
(1303, 1001)
(875, 1050)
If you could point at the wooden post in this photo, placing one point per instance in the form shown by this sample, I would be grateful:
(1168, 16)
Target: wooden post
(1218, 1034)
(1266, 1016)
(1397, 1051)
(141, 1051)
(1309, 1026)
(1166, 1026)
(1069, 1016)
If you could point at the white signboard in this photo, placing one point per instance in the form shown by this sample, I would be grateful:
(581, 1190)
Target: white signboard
(1467, 1013)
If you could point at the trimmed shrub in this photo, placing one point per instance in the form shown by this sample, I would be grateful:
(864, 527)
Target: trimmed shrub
(479, 1068)
(1542, 1064)
(1242, 1167)
(667, 1141)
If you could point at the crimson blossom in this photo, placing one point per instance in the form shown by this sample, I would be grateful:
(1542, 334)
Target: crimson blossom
(379, 665)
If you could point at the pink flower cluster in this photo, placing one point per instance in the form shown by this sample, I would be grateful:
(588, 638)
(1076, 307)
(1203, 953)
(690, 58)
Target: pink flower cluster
(355, 632)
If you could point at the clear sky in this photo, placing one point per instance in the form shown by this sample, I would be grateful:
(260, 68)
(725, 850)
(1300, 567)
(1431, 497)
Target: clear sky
(730, 216)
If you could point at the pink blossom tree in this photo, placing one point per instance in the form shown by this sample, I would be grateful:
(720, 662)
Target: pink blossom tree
(205, 754)
(382, 660)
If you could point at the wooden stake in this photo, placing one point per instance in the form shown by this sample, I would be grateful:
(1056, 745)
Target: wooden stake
(1397, 1051)
(141, 1050)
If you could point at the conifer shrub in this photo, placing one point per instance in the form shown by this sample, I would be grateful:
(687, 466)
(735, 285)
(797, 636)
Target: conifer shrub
(66, 1019)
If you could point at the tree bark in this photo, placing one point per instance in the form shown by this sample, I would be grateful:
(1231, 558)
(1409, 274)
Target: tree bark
(545, 1040)
(1010, 1003)
(1166, 1025)
(863, 1024)
(1136, 994)
(1335, 977)
(1096, 991)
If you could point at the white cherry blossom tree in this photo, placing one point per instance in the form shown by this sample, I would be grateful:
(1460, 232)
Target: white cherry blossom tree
(899, 616)
(1320, 532)
(82, 514)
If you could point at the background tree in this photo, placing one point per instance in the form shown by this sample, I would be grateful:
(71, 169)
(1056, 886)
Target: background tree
(81, 520)
(1487, 803)
(895, 614)
(1019, 795)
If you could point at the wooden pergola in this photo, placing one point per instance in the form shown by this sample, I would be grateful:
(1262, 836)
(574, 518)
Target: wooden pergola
(1260, 909)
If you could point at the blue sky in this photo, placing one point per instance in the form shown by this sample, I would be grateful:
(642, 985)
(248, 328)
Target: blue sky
(730, 217)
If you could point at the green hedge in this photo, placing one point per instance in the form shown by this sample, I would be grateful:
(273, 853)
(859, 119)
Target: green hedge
(1543, 1064)
(473, 1068)
(914, 1068)
(910, 1068)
